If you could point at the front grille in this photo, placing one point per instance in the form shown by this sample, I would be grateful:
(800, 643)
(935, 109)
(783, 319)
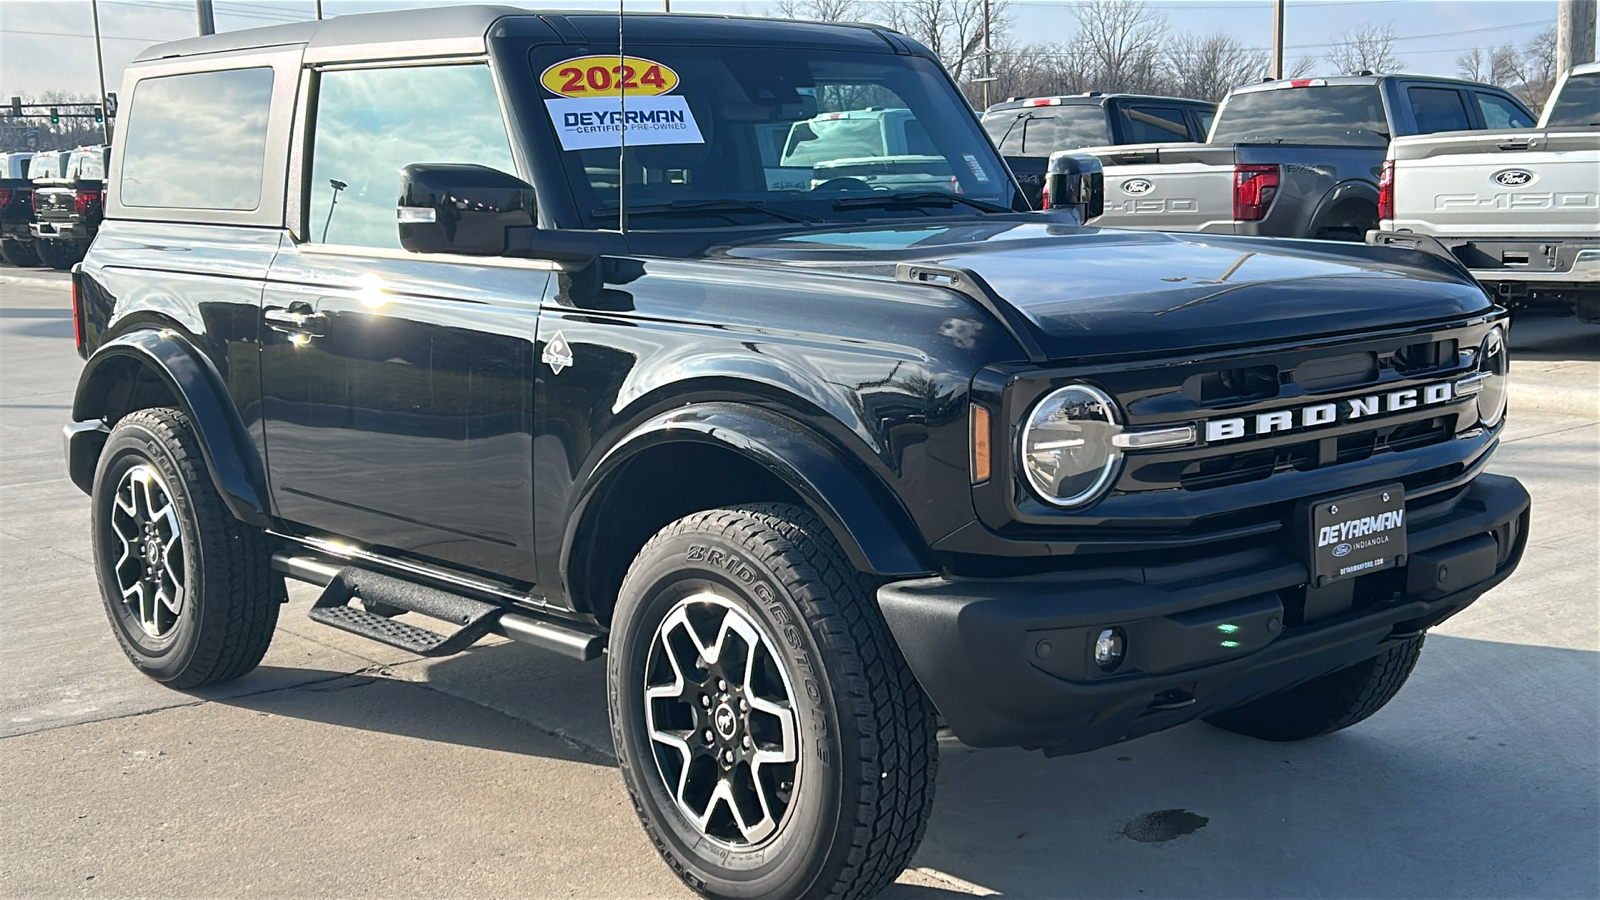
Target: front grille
(1255, 465)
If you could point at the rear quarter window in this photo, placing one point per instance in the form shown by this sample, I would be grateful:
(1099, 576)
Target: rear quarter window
(197, 141)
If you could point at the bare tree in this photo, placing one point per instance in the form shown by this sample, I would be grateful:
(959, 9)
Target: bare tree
(1529, 71)
(820, 10)
(952, 29)
(1123, 40)
(34, 131)
(1302, 67)
(1207, 67)
(1366, 48)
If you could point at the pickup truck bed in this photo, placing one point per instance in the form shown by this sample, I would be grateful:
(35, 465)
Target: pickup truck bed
(1191, 187)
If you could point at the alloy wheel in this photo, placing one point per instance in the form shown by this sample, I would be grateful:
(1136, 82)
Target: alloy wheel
(720, 714)
(149, 566)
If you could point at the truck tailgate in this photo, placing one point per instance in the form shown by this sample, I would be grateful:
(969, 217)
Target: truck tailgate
(1170, 187)
(1535, 184)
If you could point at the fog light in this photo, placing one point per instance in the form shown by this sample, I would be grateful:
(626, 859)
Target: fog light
(1109, 648)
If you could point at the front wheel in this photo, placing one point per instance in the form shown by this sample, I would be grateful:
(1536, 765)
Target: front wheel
(1328, 702)
(771, 737)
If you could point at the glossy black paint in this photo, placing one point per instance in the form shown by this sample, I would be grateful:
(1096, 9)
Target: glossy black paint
(510, 417)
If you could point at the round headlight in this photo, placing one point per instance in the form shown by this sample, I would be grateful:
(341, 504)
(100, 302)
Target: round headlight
(1067, 454)
(1495, 365)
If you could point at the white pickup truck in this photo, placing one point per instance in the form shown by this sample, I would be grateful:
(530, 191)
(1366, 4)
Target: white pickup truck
(1519, 208)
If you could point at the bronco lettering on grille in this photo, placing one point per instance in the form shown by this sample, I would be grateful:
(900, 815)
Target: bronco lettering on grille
(1347, 410)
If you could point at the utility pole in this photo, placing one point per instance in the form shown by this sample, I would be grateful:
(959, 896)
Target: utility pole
(988, 65)
(319, 10)
(1277, 38)
(100, 66)
(1575, 23)
(208, 19)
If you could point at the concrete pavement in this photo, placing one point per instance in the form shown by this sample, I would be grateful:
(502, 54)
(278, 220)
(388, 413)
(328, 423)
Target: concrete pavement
(344, 769)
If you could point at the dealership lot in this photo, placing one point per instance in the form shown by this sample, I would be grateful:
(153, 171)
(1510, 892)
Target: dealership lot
(341, 768)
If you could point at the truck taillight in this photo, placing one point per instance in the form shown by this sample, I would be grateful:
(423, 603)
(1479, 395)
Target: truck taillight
(5, 196)
(1253, 190)
(1045, 194)
(84, 201)
(1386, 191)
(77, 313)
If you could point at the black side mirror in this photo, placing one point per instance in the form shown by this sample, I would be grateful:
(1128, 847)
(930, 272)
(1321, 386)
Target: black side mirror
(460, 208)
(1075, 180)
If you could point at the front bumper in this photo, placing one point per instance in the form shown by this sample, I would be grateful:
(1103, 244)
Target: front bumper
(1007, 662)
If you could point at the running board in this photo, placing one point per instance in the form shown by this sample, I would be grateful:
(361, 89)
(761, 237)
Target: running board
(473, 618)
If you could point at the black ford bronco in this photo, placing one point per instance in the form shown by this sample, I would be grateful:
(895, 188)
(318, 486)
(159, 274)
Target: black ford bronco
(513, 322)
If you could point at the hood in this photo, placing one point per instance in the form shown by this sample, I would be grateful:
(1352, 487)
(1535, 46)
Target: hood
(1084, 292)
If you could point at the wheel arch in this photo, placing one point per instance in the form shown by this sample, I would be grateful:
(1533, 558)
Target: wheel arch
(714, 454)
(1347, 205)
(158, 367)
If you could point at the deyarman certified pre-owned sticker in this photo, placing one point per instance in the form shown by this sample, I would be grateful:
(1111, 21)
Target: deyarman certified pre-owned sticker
(601, 97)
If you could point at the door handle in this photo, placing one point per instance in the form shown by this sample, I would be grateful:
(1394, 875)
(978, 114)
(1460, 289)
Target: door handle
(298, 318)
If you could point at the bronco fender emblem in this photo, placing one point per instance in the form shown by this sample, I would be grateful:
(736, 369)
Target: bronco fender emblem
(557, 353)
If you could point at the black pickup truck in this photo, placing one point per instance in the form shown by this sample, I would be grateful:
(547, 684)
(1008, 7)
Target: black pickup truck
(810, 463)
(16, 206)
(67, 210)
(1028, 129)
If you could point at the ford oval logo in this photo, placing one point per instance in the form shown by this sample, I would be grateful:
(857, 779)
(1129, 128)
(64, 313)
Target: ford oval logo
(1513, 177)
(1342, 550)
(1137, 186)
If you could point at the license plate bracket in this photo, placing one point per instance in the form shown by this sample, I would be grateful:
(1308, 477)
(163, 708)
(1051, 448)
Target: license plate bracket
(1355, 534)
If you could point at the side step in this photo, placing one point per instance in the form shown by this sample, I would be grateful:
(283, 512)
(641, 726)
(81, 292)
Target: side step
(473, 618)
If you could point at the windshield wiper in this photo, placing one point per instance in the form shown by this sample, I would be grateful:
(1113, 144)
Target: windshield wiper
(884, 199)
(704, 206)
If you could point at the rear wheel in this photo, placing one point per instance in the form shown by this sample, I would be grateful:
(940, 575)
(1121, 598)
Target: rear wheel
(20, 253)
(57, 254)
(1328, 703)
(187, 586)
(771, 737)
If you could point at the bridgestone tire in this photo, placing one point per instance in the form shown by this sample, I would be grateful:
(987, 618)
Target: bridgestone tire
(867, 754)
(20, 254)
(1326, 704)
(230, 607)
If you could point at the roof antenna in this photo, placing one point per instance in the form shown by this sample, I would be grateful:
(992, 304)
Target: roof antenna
(622, 118)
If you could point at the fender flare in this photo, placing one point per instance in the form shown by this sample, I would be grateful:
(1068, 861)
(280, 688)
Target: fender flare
(1345, 190)
(875, 531)
(230, 456)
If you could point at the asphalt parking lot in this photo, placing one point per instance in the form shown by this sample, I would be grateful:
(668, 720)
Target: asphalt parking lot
(344, 769)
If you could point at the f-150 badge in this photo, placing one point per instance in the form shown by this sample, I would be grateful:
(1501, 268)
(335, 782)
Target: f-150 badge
(557, 353)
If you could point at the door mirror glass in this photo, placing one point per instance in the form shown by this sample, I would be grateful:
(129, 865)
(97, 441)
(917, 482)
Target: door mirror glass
(1076, 181)
(461, 208)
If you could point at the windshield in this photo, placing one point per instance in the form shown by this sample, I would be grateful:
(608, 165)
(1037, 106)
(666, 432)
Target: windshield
(1333, 114)
(1043, 130)
(46, 166)
(721, 136)
(89, 165)
(1579, 102)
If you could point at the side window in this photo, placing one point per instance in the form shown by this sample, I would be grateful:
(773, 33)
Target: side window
(1438, 109)
(197, 141)
(1498, 112)
(1154, 124)
(1204, 118)
(371, 123)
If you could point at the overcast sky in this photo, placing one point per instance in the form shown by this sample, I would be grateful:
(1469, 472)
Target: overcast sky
(47, 44)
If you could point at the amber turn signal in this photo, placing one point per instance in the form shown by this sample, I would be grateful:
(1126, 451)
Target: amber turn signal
(980, 444)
